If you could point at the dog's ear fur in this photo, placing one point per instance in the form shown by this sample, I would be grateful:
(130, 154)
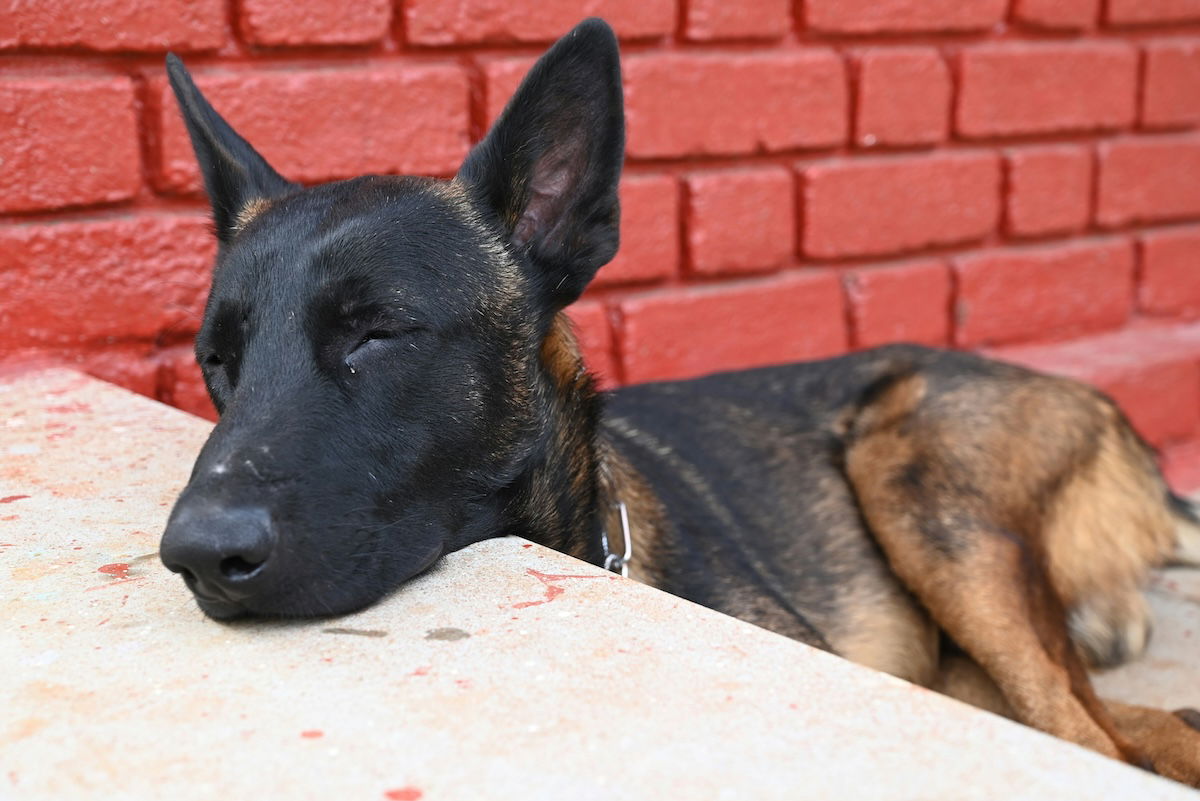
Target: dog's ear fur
(235, 175)
(549, 167)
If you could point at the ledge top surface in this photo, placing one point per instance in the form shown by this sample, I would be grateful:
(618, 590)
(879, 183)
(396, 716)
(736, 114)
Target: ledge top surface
(508, 671)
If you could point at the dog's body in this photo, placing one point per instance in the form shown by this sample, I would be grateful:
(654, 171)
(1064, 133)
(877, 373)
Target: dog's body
(396, 380)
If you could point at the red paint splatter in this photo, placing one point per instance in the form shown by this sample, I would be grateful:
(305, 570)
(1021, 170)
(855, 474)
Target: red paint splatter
(120, 570)
(552, 590)
(11, 498)
(403, 794)
(423, 670)
(527, 545)
(463, 683)
(69, 408)
(312, 734)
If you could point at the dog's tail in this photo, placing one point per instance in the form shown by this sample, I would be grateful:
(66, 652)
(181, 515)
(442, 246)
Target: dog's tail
(1187, 530)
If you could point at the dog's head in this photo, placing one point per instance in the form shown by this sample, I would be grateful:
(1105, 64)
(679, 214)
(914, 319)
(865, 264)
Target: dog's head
(372, 344)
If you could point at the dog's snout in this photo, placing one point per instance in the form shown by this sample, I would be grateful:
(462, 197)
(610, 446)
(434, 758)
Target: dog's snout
(221, 551)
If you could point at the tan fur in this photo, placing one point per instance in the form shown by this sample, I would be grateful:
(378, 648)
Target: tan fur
(248, 212)
(974, 576)
(896, 638)
(1108, 524)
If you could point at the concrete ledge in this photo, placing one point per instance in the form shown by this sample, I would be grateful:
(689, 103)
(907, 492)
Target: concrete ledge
(507, 672)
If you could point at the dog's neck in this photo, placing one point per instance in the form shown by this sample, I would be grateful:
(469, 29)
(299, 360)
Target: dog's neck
(569, 495)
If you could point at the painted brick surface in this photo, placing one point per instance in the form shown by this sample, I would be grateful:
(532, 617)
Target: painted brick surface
(740, 220)
(803, 176)
(684, 104)
(455, 22)
(316, 22)
(703, 330)
(1043, 293)
(1049, 190)
(649, 232)
(900, 303)
(897, 16)
(1010, 89)
(88, 282)
(324, 124)
(1171, 94)
(1170, 272)
(1148, 179)
(113, 25)
(1152, 12)
(1056, 14)
(903, 97)
(886, 205)
(67, 142)
(711, 20)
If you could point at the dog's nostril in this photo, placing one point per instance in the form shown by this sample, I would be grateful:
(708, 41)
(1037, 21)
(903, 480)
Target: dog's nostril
(235, 567)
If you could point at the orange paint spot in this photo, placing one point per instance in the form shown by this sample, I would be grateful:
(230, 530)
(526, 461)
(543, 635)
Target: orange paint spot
(403, 794)
(312, 734)
(118, 569)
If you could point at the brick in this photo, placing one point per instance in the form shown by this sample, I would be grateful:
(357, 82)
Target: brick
(93, 282)
(1057, 14)
(1009, 89)
(126, 366)
(888, 16)
(1049, 190)
(711, 20)
(649, 232)
(1148, 179)
(501, 77)
(450, 22)
(182, 383)
(1010, 295)
(697, 330)
(316, 22)
(903, 97)
(1170, 274)
(67, 142)
(874, 206)
(1171, 94)
(1181, 466)
(681, 104)
(1150, 12)
(1153, 373)
(740, 220)
(899, 303)
(323, 124)
(109, 25)
(592, 328)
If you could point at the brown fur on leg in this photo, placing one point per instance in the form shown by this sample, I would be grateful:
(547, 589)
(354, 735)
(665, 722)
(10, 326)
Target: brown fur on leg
(949, 499)
(1167, 738)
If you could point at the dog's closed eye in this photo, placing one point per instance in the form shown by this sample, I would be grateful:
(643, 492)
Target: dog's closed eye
(374, 341)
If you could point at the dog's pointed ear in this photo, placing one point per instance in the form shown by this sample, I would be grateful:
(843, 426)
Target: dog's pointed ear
(550, 165)
(236, 177)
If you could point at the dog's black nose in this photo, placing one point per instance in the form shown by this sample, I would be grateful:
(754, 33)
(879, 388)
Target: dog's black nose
(222, 552)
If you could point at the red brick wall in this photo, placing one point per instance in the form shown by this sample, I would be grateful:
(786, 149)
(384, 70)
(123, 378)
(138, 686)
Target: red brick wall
(805, 176)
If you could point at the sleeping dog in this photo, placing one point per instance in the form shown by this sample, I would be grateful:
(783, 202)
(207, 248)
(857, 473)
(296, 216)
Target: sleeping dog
(396, 380)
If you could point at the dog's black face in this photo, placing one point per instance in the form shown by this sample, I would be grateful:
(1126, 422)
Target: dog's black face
(371, 345)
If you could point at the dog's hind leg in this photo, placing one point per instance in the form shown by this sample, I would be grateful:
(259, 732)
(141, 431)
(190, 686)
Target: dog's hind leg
(947, 535)
(1171, 740)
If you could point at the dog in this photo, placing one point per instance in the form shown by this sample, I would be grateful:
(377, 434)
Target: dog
(396, 380)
